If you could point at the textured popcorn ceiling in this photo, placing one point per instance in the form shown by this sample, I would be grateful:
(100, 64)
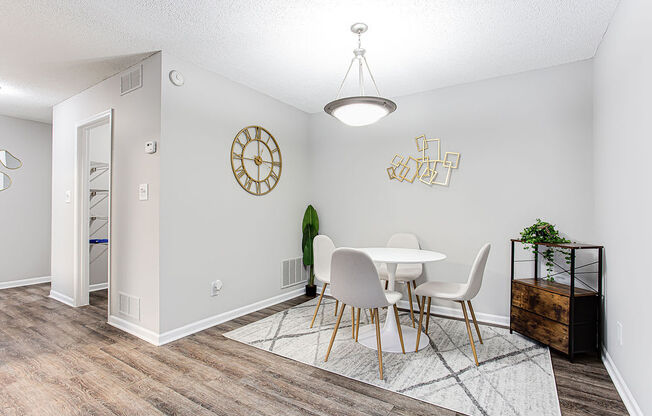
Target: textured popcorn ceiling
(294, 50)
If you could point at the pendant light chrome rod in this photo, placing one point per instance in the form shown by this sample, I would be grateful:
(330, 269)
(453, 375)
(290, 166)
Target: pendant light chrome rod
(360, 76)
(372, 76)
(339, 92)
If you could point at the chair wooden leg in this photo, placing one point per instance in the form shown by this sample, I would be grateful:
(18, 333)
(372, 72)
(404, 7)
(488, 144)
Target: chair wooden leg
(468, 329)
(337, 302)
(410, 300)
(352, 322)
(357, 326)
(323, 289)
(386, 284)
(380, 349)
(398, 325)
(414, 286)
(337, 325)
(428, 317)
(416, 349)
(475, 322)
(371, 312)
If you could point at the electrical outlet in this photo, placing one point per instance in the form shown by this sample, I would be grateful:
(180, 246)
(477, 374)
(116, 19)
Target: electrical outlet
(216, 286)
(619, 333)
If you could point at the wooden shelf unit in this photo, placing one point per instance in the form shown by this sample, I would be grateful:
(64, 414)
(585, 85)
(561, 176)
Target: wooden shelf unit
(561, 316)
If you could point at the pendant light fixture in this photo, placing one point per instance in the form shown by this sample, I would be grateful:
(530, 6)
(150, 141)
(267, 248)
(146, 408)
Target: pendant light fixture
(360, 110)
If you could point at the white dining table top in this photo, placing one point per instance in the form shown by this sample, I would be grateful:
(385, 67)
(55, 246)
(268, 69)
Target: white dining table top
(402, 255)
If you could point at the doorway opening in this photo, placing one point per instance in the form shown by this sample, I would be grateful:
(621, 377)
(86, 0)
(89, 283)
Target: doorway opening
(94, 144)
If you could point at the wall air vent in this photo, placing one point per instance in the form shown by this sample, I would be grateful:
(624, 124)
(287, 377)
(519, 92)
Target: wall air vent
(129, 306)
(293, 272)
(131, 80)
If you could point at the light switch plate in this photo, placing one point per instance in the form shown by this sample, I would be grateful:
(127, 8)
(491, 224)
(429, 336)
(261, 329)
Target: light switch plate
(68, 197)
(143, 192)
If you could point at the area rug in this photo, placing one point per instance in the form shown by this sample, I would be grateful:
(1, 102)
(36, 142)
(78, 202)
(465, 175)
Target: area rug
(515, 375)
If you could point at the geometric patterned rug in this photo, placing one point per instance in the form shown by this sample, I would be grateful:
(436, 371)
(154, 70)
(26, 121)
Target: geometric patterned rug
(515, 375)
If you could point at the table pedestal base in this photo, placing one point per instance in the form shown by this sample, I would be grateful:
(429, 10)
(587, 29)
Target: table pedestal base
(389, 340)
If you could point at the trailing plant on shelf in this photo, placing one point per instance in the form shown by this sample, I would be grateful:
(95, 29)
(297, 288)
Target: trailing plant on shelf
(310, 229)
(544, 232)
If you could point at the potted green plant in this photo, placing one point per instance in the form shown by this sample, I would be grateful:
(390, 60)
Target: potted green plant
(544, 232)
(310, 229)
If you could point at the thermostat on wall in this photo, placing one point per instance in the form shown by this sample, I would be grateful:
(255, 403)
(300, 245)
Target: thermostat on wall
(150, 147)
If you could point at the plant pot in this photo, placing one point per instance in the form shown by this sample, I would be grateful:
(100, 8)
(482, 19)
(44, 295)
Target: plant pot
(311, 290)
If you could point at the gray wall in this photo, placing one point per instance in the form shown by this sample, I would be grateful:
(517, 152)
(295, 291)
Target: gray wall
(525, 144)
(135, 224)
(623, 201)
(25, 206)
(210, 227)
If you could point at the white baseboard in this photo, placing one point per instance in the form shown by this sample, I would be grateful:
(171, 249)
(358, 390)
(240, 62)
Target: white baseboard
(62, 298)
(174, 334)
(619, 382)
(483, 318)
(134, 329)
(98, 286)
(200, 325)
(486, 318)
(25, 282)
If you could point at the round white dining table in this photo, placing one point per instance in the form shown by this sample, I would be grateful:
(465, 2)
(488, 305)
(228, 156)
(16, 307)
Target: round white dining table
(390, 341)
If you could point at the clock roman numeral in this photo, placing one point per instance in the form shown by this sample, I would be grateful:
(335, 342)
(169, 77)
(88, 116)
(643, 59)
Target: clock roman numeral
(274, 150)
(239, 172)
(276, 163)
(257, 187)
(273, 176)
(269, 185)
(258, 131)
(237, 156)
(247, 135)
(248, 183)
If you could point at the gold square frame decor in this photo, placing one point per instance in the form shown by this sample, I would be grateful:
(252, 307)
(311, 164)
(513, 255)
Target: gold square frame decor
(430, 159)
(405, 169)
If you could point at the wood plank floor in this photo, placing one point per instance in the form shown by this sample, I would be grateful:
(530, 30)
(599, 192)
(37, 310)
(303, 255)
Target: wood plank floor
(57, 360)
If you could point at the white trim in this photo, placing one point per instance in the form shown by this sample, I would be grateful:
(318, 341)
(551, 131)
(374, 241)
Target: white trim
(81, 204)
(62, 298)
(25, 282)
(135, 330)
(200, 325)
(485, 318)
(98, 286)
(619, 382)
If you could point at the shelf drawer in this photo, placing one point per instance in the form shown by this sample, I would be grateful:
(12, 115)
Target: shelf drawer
(542, 329)
(547, 304)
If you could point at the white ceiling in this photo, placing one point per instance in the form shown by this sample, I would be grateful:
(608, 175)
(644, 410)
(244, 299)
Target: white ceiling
(294, 50)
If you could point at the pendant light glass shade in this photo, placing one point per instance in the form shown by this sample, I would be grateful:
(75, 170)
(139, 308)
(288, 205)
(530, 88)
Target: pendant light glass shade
(360, 110)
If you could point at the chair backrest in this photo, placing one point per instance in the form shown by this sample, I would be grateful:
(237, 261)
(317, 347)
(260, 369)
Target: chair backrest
(322, 250)
(354, 279)
(406, 240)
(477, 272)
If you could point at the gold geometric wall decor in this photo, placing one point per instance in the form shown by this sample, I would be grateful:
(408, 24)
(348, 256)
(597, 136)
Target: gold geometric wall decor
(429, 167)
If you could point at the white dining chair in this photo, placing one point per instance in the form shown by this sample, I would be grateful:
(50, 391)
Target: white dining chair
(322, 250)
(458, 292)
(354, 282)
(405, 273)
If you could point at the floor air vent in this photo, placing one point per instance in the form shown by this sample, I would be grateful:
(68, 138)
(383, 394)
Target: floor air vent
(293, 272)
(132, 80)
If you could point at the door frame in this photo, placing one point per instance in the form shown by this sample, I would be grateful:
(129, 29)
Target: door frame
(81, 207)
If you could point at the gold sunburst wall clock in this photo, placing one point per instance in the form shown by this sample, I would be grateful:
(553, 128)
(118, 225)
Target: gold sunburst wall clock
(256, 160)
